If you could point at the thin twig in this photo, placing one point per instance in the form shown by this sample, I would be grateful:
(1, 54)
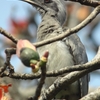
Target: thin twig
(68, 79)
(58, 85)
(91, 64)
(7, 63)
(3, 68)
(8, 35)
(95, 12)
(42, 64)
(95, 95)
(92, 3)
(40, 85)
(64, 34)
(71, 31)
(9, 52)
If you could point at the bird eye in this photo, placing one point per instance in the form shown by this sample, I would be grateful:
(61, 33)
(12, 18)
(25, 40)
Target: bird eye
(47, 1)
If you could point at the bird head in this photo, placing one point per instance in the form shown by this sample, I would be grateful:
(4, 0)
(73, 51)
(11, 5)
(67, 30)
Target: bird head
(53, 6)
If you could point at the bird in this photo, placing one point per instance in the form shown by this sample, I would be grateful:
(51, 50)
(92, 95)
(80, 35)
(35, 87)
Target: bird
(68, 51)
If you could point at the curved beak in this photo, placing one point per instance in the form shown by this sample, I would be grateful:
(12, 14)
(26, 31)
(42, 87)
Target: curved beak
(35, 3)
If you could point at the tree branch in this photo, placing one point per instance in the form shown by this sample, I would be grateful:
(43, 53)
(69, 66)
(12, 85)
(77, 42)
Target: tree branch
(92, 96)
(92, 3)
(3, 68)
(80, 70)
(62, 83)
(64, 34)
(67, 80)
(95, 12)
(42, 64)
(9, 36)
(95, 63)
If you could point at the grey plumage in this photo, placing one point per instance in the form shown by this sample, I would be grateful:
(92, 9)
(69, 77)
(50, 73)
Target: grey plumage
(66, 52)
(59, 7)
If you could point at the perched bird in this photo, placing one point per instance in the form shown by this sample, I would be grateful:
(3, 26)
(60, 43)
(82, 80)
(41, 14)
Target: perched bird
(28, 54)
(66, 52)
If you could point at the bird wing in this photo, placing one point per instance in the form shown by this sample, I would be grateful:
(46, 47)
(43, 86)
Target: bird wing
(78, 52)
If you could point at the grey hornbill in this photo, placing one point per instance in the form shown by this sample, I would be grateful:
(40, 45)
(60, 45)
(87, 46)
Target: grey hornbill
(66, 52)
